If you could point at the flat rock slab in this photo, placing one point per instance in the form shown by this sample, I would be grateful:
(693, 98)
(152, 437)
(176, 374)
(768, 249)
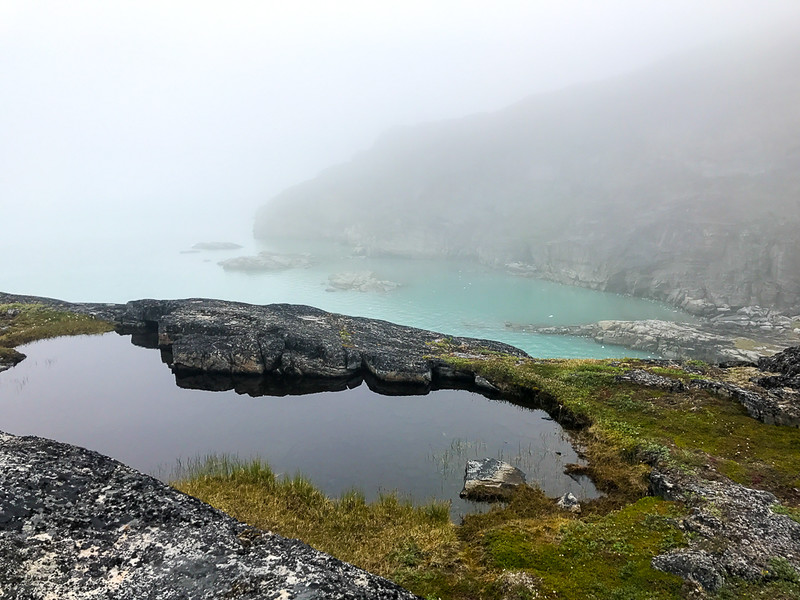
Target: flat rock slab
(490, 479)
(286, 340)
(76, 524)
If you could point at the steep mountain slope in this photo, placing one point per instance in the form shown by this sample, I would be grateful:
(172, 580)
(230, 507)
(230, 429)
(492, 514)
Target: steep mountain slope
(679, 182)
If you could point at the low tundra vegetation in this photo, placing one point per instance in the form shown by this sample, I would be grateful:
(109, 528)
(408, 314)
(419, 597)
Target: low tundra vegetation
(24, 323)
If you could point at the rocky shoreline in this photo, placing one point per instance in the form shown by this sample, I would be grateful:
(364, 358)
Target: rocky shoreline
(723, 339)
(62, 506)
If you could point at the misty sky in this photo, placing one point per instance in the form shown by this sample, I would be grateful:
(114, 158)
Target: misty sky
(158, 112)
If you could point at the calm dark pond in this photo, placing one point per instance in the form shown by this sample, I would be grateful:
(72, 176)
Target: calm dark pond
(106, 394)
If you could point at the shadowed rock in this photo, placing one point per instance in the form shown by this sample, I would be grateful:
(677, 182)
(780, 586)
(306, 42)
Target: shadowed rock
(76, 524)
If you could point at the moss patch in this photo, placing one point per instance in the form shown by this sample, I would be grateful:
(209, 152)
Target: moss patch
(24, 323)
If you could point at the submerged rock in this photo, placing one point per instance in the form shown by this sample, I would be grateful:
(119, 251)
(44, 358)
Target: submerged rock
(216, 246)
(362, 281)
(266, 261)
(490, 479)
(76, 524)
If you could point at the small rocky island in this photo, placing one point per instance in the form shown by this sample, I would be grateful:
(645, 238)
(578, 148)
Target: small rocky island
(699, 458)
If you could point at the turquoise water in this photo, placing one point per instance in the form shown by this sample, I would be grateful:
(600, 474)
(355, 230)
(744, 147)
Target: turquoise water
(449, 296)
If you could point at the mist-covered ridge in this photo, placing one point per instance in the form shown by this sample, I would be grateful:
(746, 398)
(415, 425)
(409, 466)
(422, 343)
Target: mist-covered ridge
(678, 182)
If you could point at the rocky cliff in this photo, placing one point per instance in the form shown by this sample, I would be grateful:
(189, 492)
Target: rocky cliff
(680, 182)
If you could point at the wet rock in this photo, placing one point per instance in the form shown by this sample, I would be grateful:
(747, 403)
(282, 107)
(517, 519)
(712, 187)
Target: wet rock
(216, 246)
(266, 261)
(362, 281)
(76, 524)
(292, 341)
(490, 479)
(569, 503)
(734, 530)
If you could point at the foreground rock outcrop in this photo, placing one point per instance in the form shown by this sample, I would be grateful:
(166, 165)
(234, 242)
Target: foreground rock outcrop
(76, 524)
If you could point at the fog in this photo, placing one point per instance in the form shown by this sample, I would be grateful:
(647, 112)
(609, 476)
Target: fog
(155, 117)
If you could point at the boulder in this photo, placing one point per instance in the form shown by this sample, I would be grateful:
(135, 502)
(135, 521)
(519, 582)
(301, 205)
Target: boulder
(490, 479)
(732, 530)
(569, 503)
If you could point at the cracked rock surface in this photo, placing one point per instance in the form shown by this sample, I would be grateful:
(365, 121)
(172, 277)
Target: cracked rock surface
(75, 524)
(294, 341)
(735, 531)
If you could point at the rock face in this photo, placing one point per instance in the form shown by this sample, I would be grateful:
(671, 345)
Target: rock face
(490, 479)
(76, 524)
(736, 531)
(678, 182)
(291, 342)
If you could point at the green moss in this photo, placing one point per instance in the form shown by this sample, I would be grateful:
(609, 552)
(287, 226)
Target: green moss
(24, 323)
(605, 557)
(791, 512)
(696, 427)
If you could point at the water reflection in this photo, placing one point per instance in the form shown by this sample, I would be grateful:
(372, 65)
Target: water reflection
(106, 394)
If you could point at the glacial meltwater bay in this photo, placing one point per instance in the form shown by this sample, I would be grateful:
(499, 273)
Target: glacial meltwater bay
(453, 297)
(106, 394)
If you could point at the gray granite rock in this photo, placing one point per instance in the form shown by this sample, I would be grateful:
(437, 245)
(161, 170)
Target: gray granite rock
(292, 341)
(76, 524)
(648, 379)
(569, 503)
(735, 531)
(490, 479)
